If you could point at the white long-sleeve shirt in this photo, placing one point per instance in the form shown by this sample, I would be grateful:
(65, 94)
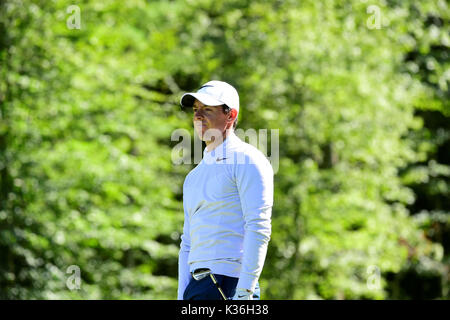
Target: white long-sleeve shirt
(227, 200)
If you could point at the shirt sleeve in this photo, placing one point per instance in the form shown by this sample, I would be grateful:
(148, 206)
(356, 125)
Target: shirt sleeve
(255, 185)
(184, 275)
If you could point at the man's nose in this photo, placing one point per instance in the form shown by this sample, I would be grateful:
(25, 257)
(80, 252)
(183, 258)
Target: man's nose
(198, 114)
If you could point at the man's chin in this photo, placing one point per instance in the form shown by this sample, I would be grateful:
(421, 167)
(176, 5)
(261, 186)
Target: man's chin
(200, 133)
(208, 134)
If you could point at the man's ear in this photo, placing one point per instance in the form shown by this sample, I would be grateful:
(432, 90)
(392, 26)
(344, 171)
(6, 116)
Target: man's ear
(233, 115)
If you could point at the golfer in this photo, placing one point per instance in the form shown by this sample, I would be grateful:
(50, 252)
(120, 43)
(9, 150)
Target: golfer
(227, 200)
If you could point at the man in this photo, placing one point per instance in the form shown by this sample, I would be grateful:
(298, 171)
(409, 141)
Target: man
(227, 200)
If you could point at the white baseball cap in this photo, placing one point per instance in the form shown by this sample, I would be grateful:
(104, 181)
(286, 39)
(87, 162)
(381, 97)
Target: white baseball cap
(212, 93)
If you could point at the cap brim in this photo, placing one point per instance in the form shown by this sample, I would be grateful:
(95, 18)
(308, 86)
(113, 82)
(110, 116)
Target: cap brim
(187, 100)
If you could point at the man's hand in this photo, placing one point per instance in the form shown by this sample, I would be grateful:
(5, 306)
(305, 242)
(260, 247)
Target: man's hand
(243, 294)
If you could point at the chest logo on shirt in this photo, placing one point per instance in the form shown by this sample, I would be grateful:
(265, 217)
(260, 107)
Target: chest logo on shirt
(220, 159)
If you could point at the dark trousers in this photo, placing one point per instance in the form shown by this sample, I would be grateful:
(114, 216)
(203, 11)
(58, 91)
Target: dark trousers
(205, 289)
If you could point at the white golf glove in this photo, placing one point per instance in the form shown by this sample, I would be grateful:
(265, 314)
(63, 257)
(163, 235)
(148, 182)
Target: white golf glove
(243, 294)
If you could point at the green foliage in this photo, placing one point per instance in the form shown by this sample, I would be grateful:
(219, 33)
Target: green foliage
(85, 151)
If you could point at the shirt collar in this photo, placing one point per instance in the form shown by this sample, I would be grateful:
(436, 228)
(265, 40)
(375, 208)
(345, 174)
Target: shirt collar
(221, 150)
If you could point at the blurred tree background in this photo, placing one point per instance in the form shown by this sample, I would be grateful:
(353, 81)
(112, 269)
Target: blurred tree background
(358, 90)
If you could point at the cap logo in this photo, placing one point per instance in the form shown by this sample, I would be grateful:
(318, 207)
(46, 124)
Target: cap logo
(208, 85)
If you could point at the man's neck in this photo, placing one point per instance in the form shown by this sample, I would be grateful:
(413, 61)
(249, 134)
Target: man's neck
(211, 145)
